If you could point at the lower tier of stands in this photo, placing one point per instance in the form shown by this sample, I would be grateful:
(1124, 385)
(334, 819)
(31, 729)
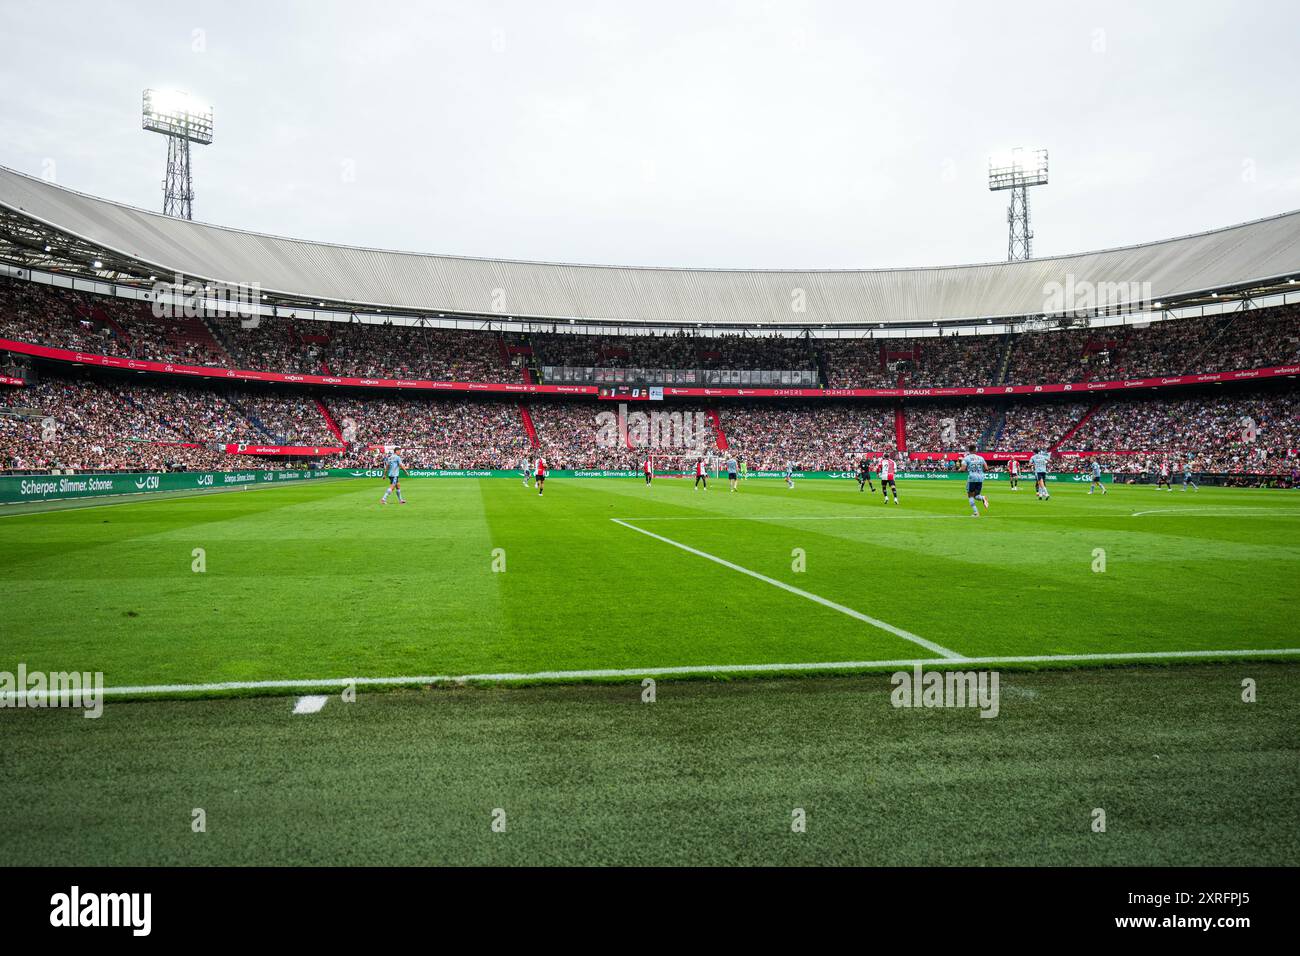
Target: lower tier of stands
(92, 420)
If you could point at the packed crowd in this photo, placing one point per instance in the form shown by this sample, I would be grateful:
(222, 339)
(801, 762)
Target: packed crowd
(810, 435)
(1238, 433)
(365, 350)
(99, 423)
(674, 350)
(455, 433)
(1036, 425)
(916, 363)
(42, 314)
(946, 426)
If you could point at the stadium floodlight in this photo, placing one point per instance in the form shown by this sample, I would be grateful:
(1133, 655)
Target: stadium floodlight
(1017, 170)
(183, 120)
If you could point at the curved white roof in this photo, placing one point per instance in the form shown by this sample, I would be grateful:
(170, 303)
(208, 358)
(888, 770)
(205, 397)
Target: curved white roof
(1254, 253)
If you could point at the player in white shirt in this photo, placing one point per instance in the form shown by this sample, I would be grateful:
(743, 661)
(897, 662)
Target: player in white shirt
(789, 474)
(1013, 472)
(528, 470)
(393, 468)
(1040, 461)
(975, 465)
(1095, 483)
(700, 475)
(1164, 476)
(886, 469)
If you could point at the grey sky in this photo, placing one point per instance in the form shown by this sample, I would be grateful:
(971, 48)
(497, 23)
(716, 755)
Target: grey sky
(699, 133)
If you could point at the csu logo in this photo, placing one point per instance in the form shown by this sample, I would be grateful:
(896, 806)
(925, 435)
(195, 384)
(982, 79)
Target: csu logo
(204, 480)
(149, 481)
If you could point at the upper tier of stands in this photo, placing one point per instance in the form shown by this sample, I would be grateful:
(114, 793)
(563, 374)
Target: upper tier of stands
(45, 315)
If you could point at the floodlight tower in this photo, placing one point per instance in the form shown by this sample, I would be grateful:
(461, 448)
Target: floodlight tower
(1017, 171)
(183, 120)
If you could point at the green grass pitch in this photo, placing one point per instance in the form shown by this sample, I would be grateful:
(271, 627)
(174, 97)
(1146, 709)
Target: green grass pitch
(607, 580)
(485, 577)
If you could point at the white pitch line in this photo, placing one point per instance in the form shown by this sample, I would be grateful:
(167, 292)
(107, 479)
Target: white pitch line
(11, 698)
(310, 705)
(883, 516)
(858, 615)
(1222, 512)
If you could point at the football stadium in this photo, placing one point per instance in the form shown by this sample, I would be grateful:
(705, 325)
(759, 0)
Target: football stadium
(328, 554)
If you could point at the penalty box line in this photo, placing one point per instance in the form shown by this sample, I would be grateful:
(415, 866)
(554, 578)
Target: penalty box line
(807, 595)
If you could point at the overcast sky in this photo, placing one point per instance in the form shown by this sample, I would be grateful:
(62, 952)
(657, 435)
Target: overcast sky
(697, 133)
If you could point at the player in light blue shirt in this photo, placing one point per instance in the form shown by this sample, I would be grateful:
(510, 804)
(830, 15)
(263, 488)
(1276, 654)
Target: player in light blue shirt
(1096, 478)
(1189, 478)
(1040, 461)
(975, 466)
(393, 468)
(733, 472)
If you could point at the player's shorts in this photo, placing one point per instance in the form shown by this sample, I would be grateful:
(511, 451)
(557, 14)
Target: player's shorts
(886, 481)
(731, 476)
(1040, 475)
(974, 488)
(394, 479)
(540, 477)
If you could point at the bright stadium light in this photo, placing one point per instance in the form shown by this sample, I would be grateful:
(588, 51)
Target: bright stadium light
(1017, 170)
(183, 120)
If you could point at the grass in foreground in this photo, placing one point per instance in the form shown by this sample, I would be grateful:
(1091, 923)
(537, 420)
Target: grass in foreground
(1186, 773)
(322, 582)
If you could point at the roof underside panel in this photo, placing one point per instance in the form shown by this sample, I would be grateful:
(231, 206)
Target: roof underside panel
(1255, 252)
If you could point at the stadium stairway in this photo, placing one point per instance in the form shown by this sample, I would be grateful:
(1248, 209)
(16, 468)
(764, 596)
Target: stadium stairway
(718, 429)
(96, 314)
(993, 430)
(219, 336)
(1073, 429)
(900, 428)
(529, 428)
(253, 420)
(330, 422)
(195, 331)
(823, 370)
(1004, 364)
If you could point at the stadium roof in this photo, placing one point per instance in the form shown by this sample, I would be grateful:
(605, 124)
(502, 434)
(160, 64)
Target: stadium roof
(134, 243)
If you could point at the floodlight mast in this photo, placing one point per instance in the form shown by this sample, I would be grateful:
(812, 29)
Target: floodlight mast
(1017, 171)
(183, 121)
